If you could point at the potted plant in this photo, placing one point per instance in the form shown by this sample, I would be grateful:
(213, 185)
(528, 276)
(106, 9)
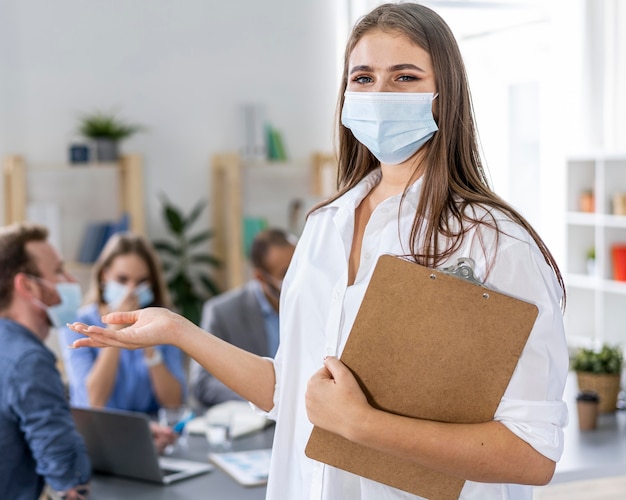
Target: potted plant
(600, 371)
(184, 264)
(106, 130)
(590, 260)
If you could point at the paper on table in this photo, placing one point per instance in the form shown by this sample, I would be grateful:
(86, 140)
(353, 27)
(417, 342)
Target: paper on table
(248, 468)
(239, 415)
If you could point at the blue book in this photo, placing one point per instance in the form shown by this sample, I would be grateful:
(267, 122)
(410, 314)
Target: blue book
(251, 226)
(92, 242)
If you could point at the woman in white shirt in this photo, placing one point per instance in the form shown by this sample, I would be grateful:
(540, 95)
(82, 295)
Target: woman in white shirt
(411, 184)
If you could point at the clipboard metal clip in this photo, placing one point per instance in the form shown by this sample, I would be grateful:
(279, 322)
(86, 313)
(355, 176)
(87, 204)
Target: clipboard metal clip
(464, 269)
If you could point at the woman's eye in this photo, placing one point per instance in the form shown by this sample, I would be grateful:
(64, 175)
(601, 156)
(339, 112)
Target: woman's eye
(407, 78)
(362, 79)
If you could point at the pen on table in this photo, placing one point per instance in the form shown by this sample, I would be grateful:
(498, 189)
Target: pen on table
(180, 425)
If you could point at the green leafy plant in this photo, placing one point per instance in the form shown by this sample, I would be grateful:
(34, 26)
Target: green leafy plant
(102, 125)
(186, 265)
(608, 359)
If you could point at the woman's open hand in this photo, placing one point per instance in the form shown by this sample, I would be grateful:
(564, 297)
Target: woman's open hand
(334, 399)
(144, 328)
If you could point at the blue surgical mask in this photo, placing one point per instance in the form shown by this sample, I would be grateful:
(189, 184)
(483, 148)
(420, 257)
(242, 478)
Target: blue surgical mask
(65, 311)
(274, 285)
(392, 125)
(114, 293)
(144, 294)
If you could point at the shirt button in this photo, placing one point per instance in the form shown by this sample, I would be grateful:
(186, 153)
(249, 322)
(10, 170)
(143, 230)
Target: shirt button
(337, 295)
(367, 255)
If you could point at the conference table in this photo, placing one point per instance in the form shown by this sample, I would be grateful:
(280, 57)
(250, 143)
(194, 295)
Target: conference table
(587, 455)
(215, 485)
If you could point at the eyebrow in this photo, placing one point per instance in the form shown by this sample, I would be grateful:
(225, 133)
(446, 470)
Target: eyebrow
(396, 67)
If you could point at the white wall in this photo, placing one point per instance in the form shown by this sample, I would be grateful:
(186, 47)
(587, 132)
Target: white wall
(180, 68)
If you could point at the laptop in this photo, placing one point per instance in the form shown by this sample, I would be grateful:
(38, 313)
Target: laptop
(120, 443)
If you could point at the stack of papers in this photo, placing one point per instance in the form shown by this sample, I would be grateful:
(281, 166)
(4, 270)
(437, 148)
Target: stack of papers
(239, 416)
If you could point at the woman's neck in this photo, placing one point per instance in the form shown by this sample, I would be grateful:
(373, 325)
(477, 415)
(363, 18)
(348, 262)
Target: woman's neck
(395, 178)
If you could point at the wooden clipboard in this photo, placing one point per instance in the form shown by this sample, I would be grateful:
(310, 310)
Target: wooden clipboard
(429, 345)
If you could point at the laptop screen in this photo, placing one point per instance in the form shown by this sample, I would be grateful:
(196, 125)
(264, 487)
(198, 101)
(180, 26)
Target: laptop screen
(120, 443)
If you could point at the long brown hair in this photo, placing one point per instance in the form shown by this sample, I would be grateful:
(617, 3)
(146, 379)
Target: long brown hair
(454, 179)
(125, 244)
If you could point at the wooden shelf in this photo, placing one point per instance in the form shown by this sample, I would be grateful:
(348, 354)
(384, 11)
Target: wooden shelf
(68, 197)
(278, 192)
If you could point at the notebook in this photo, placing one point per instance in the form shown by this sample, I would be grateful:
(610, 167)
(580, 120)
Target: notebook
(242, 419)
(248, 468)
(120, 443)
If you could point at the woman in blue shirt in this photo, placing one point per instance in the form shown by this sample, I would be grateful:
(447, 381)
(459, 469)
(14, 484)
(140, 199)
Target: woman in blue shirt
(126, 276)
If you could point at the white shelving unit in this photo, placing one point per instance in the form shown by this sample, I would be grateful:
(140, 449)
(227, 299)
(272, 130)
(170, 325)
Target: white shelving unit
(596, 308)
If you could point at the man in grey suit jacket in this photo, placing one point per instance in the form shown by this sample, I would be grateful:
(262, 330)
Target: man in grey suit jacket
(247, 316)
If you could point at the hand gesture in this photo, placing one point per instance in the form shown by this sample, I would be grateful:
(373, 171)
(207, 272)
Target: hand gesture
(145, 328)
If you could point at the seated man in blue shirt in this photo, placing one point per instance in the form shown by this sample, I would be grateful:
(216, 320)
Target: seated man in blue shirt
(37, 435)
(246, 317)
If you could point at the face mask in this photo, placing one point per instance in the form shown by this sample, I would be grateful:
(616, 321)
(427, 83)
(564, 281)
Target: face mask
(273, 285)
(114, 293)
(65, 311)
(144, 294)
(392, 125)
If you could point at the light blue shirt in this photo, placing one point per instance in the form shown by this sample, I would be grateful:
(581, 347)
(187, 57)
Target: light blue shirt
(270, 317)
(133, 389)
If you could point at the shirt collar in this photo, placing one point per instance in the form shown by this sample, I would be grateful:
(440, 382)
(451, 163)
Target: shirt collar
(354, 196)
(264, 304)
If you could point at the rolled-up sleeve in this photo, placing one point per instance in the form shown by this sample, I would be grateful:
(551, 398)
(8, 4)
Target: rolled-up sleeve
(532, 406)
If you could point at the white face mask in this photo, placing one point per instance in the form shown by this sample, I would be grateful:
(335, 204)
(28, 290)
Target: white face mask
(392, 125)
(65, 311)
(114, 293)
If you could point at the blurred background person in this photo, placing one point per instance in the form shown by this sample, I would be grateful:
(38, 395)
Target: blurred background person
(126, 276)
(39, 441)
(246, 317)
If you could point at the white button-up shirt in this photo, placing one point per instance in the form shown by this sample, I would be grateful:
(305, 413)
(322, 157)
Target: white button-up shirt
(318, 309)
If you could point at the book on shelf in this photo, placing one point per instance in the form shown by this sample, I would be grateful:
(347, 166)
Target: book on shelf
(275, 147)
(252, 226)
(97, 234)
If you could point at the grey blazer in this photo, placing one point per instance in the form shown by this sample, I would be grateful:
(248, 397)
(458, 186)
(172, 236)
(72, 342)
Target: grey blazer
(236, 317)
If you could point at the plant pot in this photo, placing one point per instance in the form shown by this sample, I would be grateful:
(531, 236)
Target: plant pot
(606, 385)
(588, 404)
(106, 151)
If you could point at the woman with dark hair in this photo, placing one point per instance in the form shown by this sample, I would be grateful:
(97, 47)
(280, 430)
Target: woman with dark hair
(411, 184)
(126, 276)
